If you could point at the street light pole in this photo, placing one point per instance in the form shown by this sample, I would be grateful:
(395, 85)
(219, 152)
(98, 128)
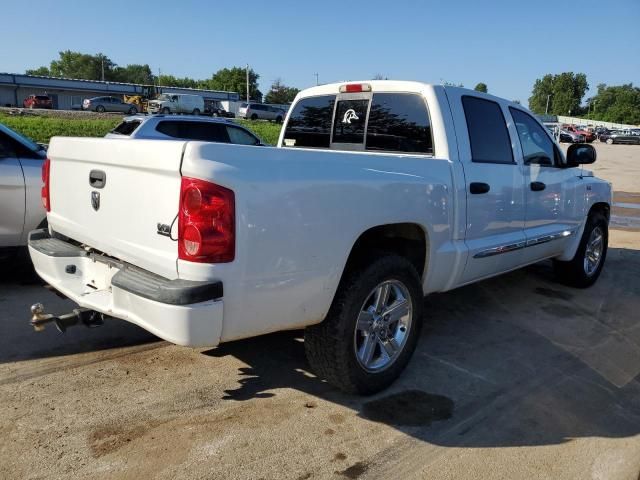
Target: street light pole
(247, 83)
(546, 110)
(316, 78)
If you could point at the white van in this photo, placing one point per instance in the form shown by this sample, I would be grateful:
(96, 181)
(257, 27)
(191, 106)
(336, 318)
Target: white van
(177, 103)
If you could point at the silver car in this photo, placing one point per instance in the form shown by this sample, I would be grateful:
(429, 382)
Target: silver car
(260, 111)
(21, 205)
(108, 104)
(171, 127)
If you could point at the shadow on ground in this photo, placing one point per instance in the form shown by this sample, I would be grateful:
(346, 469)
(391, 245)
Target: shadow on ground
(518, 360)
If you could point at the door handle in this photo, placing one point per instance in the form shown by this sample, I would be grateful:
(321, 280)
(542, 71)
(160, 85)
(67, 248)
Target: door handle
(97, 178)
(537, 186)
(479, 187)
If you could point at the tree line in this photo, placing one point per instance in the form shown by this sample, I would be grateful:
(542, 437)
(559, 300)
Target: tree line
(85, 66)
(554, 94)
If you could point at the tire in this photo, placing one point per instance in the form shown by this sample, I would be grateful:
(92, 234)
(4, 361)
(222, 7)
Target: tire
(133, 111)
(100, 109)
(254, 117)
(609, 141)
(581, 272)
(335, 347)
(278, 119)
(215, 114)
(196, 111)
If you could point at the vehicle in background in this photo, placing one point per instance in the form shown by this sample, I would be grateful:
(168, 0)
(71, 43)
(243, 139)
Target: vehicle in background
(260, 111)
(386, 191)
(620, 136)
(172, 127)
(177, 103)
(21, 208)
(601, 131)
(588, 135)
(215, 109)
(108, 104)
(568, 136)
(38, 101)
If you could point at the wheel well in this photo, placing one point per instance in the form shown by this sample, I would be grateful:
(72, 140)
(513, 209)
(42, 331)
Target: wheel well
(405, 239)
(603, 208)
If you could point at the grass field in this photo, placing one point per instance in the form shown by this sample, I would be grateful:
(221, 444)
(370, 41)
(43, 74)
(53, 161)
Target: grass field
(41, 129)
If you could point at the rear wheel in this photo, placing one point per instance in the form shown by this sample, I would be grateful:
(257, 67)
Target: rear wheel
(100, 109)
(254, 117)
(584, 269)
(166, 110)
(609, 141)
(278, 119)
(372, 328)
(133, 111)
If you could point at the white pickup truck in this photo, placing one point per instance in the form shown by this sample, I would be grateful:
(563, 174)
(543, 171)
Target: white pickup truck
(378, 194)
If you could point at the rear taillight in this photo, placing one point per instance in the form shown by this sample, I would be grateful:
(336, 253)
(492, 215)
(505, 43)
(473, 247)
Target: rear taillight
(206, 222)
(44, 192)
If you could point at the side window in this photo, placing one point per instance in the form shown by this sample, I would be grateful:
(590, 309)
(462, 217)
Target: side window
(349, 122)
(6, 146)
(202, 131)
(399, 122)
(309, 124)
(241, 137)
(536, 145)
(488, 132)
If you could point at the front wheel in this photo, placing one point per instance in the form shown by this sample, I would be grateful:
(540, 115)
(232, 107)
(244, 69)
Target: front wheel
(166, 111)
(133, 111)
(609, 141)
(372, 327)
(584, 269)
(100, 109)
(196, 111)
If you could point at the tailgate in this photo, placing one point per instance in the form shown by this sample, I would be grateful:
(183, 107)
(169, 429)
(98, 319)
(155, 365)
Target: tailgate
(120, 218)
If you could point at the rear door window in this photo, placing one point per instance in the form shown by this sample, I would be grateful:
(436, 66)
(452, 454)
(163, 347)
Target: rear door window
(350, 121)
(202, 131)
(241, 137)
(399, 122)
(309, 124)
(488, 134)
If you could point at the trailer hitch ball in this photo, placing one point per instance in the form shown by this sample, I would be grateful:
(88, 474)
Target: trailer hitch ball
(85, 316)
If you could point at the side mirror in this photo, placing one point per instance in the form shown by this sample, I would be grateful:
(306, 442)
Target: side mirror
(580, 154)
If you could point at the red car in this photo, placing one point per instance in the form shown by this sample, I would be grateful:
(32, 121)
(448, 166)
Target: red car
(588, 135)
(37, 101)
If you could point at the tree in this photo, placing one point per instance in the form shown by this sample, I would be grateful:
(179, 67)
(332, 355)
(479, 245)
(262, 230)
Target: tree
(234, 80)
(563, 92)
(135, 73)
(42, 71)
(280, 93)
(620, 104)
(481, 87)
(171, 81)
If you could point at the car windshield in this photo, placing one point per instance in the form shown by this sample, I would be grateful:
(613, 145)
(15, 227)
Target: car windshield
(163, 97)
(21, 138)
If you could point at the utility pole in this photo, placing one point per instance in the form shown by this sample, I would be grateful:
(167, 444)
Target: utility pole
(102, 58)
(546, 110)
(247, 83)
(316, 78)
(159, 73)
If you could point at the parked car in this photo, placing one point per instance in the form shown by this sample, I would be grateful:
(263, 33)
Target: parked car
(108, 104)
(38, 101)
(215, 109)
(568, 136)
(259, 111)
(588, 135)
(620, 136)
(177, 103)
(163, 127)
(386, 191)
(21, 209)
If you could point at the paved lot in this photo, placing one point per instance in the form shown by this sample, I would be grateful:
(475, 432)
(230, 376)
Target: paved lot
(515, 377)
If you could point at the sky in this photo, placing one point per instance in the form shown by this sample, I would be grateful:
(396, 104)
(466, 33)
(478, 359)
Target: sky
(505, 44)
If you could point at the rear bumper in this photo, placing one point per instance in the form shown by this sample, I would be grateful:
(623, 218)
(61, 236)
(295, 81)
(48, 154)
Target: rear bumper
(179, 311)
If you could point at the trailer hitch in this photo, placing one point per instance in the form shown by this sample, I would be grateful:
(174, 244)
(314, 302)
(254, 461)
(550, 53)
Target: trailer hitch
(84, 316)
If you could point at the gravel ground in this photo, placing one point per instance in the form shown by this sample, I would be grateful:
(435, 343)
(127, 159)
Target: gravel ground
(514, 377)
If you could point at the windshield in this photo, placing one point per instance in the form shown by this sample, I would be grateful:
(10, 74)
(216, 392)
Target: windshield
(163, 97)
(26, 141)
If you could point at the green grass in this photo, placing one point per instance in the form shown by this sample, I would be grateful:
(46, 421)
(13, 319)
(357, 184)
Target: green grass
(41, 129)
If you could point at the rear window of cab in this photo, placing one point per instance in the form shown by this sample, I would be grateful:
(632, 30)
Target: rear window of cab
(388, 122)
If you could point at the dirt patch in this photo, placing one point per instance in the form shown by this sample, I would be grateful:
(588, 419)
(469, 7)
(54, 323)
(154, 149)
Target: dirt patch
(354, 471)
